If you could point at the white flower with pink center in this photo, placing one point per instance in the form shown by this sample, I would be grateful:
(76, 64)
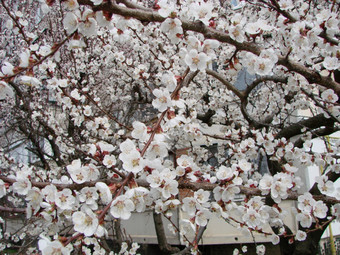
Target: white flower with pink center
(127, 146)
(169, 80)
(85, 221)
(122, 207)
(162, 100)
(185, 161)
(306, 202)
(52, 248)
(196, 61)
(224, 173)
(132, 162)
(331, 63)
(65, 200)
(320, 209)
(170, 187)
(300, 235)
(329, 96)
(166, 8)
(190, 205)
(109, 161)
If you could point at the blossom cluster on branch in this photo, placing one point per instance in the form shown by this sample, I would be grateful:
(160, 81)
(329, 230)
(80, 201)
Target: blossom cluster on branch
(127, 105)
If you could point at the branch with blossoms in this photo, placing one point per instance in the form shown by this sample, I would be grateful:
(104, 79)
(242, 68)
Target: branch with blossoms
(149, 114)
(194, 186)
(54, 49)
(150, 16)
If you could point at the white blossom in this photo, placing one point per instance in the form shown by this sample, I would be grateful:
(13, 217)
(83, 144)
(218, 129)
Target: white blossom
(320, 209)
(139, 131)
(162, 100)
(173, 29)
(331, 63)
(5, 91)
(224, 173)
(305, 219)
(329, 96)
(53, 248)
(104, 192)
(196, 60)
(300, 235)
(109, 161)
(169, 80)
(166, 7)
(306, 202)
(65, 200)
(7, 68)
(88, 27)
(85, 221)
(260, 249)
(22, 186)
(96, 2)
(132, 162)
(122, 207)
(70, 22)
(202, 217)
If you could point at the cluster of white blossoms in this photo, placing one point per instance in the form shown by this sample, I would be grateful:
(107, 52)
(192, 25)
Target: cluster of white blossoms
(163, 181)
(163, 100)
(309, 210)
(85, 23)
(146, 100)
(278, 186)
(136, 199)
(199, 55)
(255, 213)
(262, 64)
(131, 158)
(173, 29)
(48, 247)
(197, 207)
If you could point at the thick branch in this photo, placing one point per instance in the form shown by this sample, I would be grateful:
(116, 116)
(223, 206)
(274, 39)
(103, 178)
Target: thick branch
(197, 26)
(194, 186)
(311, 75)
(12, 210)
(259, 80)
(161, 237)
(311, 123)
(229, 86)
(317, 133)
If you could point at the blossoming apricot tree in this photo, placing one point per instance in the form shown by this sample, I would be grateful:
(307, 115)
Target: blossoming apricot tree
(106, 93)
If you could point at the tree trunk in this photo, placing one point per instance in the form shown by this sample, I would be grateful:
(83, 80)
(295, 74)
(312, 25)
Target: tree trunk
(161, 237)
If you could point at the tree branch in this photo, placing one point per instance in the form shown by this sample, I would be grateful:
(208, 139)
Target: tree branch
(197, 26)
(161, 237)
(310, 123)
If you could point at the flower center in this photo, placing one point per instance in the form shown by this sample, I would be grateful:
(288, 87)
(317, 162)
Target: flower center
(195, 60)
(63, 198)
(135, 162)
(163, 99)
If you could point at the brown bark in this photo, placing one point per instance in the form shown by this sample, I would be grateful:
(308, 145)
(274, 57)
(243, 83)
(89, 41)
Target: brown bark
(161, 237)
